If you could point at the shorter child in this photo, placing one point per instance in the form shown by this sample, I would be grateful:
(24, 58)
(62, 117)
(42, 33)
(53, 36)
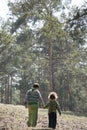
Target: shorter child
(53, 107)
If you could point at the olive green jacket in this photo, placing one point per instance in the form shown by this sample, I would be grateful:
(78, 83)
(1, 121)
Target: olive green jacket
(53, 106)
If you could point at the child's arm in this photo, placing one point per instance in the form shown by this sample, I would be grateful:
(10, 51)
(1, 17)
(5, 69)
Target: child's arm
(46, 106)
(58, 108)
(40, 97)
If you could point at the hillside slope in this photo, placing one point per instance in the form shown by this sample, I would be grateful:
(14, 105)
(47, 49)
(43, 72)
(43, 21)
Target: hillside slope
(14, 117)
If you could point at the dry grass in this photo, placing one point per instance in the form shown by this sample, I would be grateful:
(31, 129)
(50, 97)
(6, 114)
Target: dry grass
(14, 117)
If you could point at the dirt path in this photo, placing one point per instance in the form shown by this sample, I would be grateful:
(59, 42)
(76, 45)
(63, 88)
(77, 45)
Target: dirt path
(15, 117)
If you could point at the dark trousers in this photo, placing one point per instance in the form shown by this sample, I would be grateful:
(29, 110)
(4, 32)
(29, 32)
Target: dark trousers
(52, 120)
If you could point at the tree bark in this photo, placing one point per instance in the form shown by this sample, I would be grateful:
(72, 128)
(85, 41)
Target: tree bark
(50, 67)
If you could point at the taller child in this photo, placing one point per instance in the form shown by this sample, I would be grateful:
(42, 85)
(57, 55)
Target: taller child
(32, 98)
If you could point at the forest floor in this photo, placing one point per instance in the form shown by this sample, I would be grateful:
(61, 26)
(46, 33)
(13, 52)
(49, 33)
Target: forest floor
(14, 117)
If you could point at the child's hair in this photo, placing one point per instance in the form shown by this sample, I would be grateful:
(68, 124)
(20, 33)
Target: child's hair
(36, 85)
(52, 96)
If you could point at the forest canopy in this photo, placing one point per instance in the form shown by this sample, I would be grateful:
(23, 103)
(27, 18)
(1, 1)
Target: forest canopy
(38, 46)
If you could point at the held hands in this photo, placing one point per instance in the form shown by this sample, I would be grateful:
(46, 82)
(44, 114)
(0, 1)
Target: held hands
(42, 105)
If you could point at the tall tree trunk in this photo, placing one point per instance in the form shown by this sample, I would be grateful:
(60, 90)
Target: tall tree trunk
(10, 89)
(50, 67)
(69, 92)
(22, 96)
(1, 94)
(7, 91)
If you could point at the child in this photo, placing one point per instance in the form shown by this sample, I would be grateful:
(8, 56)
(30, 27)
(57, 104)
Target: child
(52, 106)
(31, 101)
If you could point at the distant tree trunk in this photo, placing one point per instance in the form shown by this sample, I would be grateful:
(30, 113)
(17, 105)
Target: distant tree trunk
(7, 91)
(2, 94)
(22, 96)
(10, 88)
(69, 92)
(50, 67)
